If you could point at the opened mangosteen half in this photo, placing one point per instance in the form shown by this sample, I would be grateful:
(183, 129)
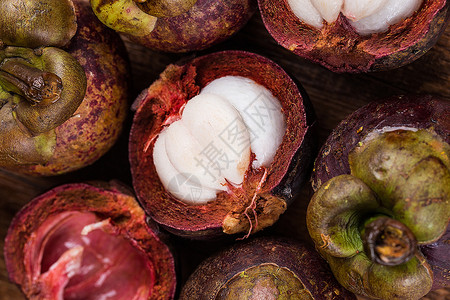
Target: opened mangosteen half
(220, 144)
(264, 268)
(81, 241)
(175, 26)
(355, 35)
(63, 86)
(381, 209)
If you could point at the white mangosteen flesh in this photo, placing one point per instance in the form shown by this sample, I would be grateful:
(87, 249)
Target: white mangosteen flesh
(366, 16)
(210, 146)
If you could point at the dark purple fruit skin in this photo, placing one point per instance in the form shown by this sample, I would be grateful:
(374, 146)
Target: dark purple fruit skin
(339, 48)
(284, 181)
(109, 200)
(300, 259)
(414, 111)
(207, 23)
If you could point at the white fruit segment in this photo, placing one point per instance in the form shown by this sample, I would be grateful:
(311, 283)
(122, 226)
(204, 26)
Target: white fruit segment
(357, 9)
(221, 132)
(210, 146)
(260, 111)
(366, 16)
(185, 153)
(305, 11)
(391, 13)
(182, 186)
(328, 9)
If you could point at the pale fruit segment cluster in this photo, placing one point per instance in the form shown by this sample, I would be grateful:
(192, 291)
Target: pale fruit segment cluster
(366, 16)
(210, 146)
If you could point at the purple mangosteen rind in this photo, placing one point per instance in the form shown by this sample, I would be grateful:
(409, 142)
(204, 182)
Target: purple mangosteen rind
(107, 201)
(204, 24)
(214, 276)
(166, 96)
(403, 119)
(339, 48)
(91, 129)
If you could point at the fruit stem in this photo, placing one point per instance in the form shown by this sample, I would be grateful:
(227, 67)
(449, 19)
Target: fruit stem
(388, 241)
(252, 206)
(36, 86)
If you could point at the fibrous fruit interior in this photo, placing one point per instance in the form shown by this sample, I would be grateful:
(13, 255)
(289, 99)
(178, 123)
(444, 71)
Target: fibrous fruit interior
(73, 256)
(210, 145)
(366, 16)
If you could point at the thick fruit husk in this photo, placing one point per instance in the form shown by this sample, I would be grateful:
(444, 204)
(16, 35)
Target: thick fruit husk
(105, 200)
(339, 48)
(285, 175)
(403, 112)
(265, 268)
(205, 24)
(97, 123)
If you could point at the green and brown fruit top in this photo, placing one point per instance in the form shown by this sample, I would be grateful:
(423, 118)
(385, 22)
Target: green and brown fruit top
(41, 85)
(374, 224)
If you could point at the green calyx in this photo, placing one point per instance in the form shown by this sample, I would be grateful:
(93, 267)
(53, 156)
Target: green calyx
(37, 23)
(39, 90)
(368, 224)
(137, 17)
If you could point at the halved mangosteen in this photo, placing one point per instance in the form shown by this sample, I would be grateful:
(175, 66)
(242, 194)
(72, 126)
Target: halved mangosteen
(380, 213)
(354, 35)
(175, 26)
(80, 241)
(264, 268)
(220, 144)
(63, 86)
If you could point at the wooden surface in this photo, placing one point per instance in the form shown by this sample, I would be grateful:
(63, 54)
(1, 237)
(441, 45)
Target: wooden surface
(333, 96)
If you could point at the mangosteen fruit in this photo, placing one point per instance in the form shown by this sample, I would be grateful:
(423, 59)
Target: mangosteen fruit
(63, 86)
(175, 26)
(220, 144)
(264, 268)
(381, 207)
(356, 35)
(85, 241)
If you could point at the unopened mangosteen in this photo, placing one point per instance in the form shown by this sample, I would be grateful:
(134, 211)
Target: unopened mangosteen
(63, 86)
(381, 207)
(80, 241)
(175, 26)
(355, 35)
(220, 144)
(264, 268)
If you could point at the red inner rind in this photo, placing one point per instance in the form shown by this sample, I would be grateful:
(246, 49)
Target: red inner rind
(338, 47)
(166, 97)
(126, 217)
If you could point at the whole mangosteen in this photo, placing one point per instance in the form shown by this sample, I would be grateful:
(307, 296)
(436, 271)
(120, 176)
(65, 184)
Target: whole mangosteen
(381, 209)
(355, 35)
(63, 86)
(80, 241)
(175, 26)
(264, 268)
(220, 144)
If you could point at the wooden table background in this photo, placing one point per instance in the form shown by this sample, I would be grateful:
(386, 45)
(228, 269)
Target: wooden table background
(333, 96)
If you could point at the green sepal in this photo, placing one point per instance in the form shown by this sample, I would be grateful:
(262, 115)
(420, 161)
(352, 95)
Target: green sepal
(410, 173)
(336, 212)
(39, 119)
(37, 23)
(410, 280)
(124, 16)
